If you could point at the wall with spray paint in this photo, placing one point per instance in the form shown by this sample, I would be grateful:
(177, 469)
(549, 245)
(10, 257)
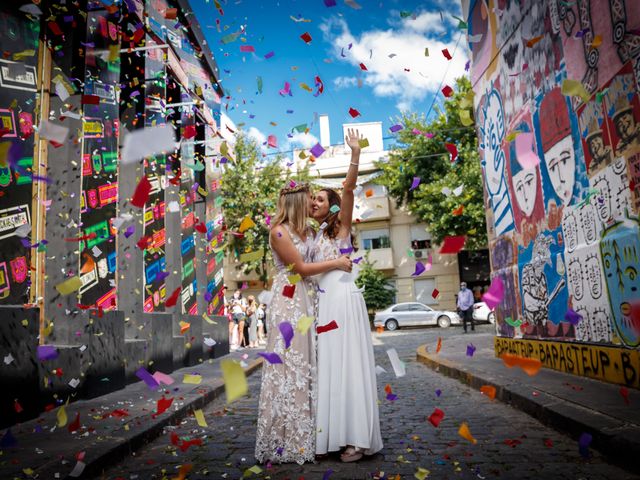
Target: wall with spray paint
(563, 230)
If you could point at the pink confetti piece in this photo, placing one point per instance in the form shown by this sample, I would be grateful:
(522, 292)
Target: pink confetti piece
(525, 155)
(494, 295)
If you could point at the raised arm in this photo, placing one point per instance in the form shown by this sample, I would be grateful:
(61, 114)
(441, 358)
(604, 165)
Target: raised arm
(282, 243)
(346, 207)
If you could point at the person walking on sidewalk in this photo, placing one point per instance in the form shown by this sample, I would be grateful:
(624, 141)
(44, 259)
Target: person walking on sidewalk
(465, 306)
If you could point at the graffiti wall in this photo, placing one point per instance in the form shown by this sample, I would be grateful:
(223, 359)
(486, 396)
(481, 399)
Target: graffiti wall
(562, 206)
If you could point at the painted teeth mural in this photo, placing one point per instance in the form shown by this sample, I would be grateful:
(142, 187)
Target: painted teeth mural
(564, 229)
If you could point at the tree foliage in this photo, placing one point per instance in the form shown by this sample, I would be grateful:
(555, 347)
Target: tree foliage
(378, 293)
(424, 155)
(250, 186)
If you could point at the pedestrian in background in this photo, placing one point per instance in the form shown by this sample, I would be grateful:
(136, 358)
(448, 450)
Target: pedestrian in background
(260, 314)
(238, 309)
(252, 321)
(465, 306)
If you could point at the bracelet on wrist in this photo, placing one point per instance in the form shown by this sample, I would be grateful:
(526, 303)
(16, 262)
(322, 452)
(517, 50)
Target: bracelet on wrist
(356, 164)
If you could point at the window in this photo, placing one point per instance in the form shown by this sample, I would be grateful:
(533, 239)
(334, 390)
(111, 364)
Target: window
(416, 307)
(374, 239)
(423, 289)
(401, 308)
(420, 238)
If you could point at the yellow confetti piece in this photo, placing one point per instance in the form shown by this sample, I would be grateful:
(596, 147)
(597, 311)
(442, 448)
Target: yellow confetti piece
(256, 470)
(4, 150)
(69, 286)
(426, 51)
(302, 155)
(465, 118)
(192, 379)
(61, 415)
(293, 279)
(304, 323)
(28, 471)
(202, 191)
(235, 381)
(184, 326)
(208, 319)
(25, 323)
(200, 418)
(597, 41)
(24, 54)
(224, 149)
(184, 470)
(246, 224)
(465, 433)
(251, 256)
(512, 136)
(575, 88)
(114, 52)
(364, 143)
(306, 87)
(467, 100)
(422, 473)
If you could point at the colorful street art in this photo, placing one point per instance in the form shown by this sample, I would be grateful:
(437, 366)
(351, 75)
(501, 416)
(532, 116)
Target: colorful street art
(564, 234)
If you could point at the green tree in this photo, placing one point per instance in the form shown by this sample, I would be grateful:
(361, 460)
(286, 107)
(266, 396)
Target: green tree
(424, 155)
(378, 293)
(250, 187)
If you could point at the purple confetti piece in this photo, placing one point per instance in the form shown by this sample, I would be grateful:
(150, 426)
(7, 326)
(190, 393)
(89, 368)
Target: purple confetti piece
(47, 352)
(391, 397)
(327, 474)
(416, 182)
(330, 3)
(8, 440)
(161, 276)
(346, 251)
(279, 451)
(583, 444)
(438, 392)
(467, 65)
(269, 55)
(131, 229)
(357, 260)
(208, 296)
(271, 357)
(317, 150)
(26, 243)
(396, 128)
(420, 268)
(573, 317)
(471, 350)
(286, 329)
(224, 160)
(147, 378)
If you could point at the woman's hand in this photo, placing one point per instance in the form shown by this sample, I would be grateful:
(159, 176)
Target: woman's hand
(353, 139)
(344, 263)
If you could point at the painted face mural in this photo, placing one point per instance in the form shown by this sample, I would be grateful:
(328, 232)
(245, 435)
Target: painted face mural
(620, 248)
(19, 269)
(525, 183)
(557, 144)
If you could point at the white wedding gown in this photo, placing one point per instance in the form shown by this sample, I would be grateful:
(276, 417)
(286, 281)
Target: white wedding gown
(347, 408)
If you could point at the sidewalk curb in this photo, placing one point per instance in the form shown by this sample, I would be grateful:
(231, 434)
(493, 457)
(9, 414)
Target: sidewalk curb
(619, 442)
(121, 449)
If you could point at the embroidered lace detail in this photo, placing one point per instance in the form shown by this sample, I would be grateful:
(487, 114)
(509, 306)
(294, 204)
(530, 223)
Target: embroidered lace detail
(286, 429)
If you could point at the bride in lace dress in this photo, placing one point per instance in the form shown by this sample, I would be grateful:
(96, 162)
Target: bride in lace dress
(286, 413)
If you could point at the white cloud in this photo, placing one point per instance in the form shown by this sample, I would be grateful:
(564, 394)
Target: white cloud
(387, 76)
(257, 135)
(345, 82)
(301, 140)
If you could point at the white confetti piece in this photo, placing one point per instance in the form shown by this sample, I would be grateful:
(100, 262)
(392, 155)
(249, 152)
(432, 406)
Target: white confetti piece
(398, 366)
(8, 359)
(148, 141)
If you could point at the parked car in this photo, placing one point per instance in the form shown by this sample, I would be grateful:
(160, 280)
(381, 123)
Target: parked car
(482, 313)
(412, 314)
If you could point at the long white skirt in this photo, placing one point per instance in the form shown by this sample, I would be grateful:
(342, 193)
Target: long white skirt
(347, 409)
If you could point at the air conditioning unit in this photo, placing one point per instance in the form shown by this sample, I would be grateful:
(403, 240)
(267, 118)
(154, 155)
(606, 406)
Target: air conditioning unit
(417, 253)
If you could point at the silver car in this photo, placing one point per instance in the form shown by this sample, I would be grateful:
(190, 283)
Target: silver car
(413, 314)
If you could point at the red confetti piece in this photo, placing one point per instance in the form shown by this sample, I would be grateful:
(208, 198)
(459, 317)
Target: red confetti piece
(173, 299)
(447, 91)
(171, 13)
(436, 417)
(624, 391)
(489, 391)
(435, 293)
(75, 425)
(452, 245)
(17, 407)
(458, 211)
(306, 37)
(247, 48)
(453, 151)
(201, 227)
(289, 290)
(141, 194)
(163, 404)
(90, 236)
(144, 242)
(446, 54)
(332, 325)
(189, 131)
(439, 345)
(548, 442)
(90, 100)
(363, 66)
(354, 113)
(53, 26)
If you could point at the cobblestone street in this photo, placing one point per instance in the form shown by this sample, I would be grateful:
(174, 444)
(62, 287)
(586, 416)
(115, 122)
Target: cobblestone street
(510, 444)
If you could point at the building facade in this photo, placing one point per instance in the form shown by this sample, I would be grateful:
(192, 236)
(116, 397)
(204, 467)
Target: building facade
(106, 266)
(557, 112)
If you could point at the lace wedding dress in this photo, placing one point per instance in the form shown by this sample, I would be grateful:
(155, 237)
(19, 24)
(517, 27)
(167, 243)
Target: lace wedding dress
(347, 405)
(286, 412)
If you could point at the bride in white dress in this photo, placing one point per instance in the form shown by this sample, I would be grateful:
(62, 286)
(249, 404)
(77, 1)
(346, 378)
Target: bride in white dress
(347, 408)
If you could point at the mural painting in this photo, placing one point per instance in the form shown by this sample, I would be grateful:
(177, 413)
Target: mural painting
(564, 234)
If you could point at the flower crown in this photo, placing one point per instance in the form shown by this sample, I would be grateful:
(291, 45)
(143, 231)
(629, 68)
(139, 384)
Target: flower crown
(294, 188)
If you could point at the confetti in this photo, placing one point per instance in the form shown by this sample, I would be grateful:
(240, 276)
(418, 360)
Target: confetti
(141, 193)
(251, 256)
(173, 298)
(396, 128)
(53, 132)
(271, 357)
(147, 142)
(494, 295)
(317, 150)
(147, 378)
(583, 444)
(447, 91)
(354, 113)
(419, 269)
(465, 433)
(489, 391)
(471, 350)
(332, 325)
(575, 88)
(306, 38)
(446, 54)
(398, 366)
(452, 245)
(439, 345)
(572, 317)
(436, 417)
(286, 330)
(46, 352)
(246, 224)
(69, 286)
(530, 365)
(199, 414)
(192, 379)
(235, 381)
(303, 325)
(415, 183)
(453, 151)
(530, 43)
(525, 155)
(288, 290)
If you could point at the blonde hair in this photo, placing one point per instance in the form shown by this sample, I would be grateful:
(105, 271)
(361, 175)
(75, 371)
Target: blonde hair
(292, 209)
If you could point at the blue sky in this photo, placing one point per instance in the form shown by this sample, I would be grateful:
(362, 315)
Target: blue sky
(382, 36)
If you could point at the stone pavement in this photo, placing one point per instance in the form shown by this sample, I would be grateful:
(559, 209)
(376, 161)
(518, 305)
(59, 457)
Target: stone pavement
(511, 444)
(108, 427)
(570, 403)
